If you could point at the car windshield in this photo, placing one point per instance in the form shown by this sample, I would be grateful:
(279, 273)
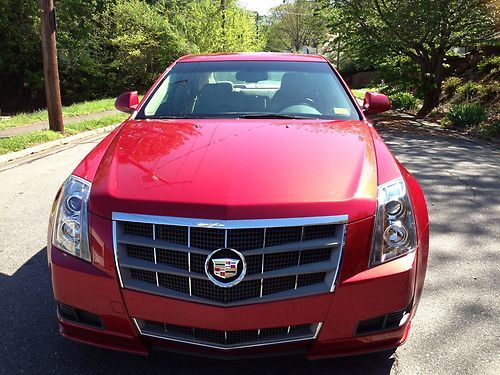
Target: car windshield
(250, 89)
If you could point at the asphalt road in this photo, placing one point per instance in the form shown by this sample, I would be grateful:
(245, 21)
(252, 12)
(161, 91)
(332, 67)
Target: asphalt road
(456, 330)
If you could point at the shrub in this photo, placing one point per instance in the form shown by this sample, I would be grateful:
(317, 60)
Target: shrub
(450, 85)
(468, 91)
(490, 64)
(491, 91)
(488, 130)
(465, 115)
(403, 100)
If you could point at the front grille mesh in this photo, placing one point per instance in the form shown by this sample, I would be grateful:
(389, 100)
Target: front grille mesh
(282, 261)
(227, 339)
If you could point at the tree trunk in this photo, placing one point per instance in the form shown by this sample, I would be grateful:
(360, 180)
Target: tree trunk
(432, 77)
(431, 100)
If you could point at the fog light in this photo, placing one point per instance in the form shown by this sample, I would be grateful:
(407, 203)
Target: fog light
(395, 234)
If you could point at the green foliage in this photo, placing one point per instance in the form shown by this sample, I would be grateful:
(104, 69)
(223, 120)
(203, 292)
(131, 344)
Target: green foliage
(491, 91)
(486, 91)
(465, 115)
(488, 130)
(143, 43)
(403, 100)
(423, 31)
(76, 109)
(359, 93)
(108, 46)
(399, 73)
(22, 141)
(81, 126)
(490, 64)
(212, 29)
(450, 85)
(468, 91)
(21, 74)
(295, 25)
(82, 49)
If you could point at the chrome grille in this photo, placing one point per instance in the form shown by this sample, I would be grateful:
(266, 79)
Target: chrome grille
(285, 258)
(227, 339)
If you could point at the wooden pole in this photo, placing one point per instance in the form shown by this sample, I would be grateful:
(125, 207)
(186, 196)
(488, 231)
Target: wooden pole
(223, 12)
(50, 69)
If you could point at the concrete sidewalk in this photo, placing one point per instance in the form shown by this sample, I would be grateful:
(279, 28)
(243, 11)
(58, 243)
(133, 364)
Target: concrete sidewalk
(44, 125)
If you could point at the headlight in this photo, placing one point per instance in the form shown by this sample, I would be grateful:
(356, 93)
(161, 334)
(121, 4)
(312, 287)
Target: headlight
(394, 232)
(70, 229)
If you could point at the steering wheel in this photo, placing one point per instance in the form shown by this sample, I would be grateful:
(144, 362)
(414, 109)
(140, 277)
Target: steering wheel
(309, 102)
(304, 109)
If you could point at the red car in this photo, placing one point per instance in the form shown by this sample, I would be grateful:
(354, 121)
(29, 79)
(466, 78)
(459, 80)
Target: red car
(246, 208)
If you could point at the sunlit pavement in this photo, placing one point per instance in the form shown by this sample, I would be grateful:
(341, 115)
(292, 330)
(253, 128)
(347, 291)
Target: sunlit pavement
(456, 329)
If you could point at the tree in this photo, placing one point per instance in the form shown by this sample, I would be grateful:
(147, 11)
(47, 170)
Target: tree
(293, 26)
(21, 69)
(423, 31)
(105, 46)
(83, 49)
(214, 26)
(142, 41)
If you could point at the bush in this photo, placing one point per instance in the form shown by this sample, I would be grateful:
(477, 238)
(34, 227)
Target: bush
(489, 130)
(490, 64)
(468, 91)
(403, 100)
(450, 85)
(465, 115)
(491, 91)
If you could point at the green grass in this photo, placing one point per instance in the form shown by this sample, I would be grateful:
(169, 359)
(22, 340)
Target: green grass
(76, 109)
(81, 126)
(22, 141)
(360, 93)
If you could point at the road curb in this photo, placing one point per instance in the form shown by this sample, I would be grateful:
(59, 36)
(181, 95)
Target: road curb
(11, 156)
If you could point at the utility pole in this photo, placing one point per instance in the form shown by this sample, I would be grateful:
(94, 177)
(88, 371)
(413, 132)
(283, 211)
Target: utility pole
(50, 69)
(338, 52)
(223, 12)
(257, 25)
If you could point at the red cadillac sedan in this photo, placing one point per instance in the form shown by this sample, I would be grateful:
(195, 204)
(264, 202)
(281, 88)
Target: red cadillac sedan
(245, 208)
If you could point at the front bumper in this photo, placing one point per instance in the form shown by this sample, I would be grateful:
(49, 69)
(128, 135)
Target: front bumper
(360, 294)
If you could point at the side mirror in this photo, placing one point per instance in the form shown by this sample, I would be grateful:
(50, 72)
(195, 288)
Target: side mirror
(127, 102)
(375, 103)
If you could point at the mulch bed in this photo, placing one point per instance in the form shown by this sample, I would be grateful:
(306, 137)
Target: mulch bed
(398, 122)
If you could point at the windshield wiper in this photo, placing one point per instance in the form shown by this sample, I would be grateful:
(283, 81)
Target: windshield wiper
(166, 117)
(276, 115)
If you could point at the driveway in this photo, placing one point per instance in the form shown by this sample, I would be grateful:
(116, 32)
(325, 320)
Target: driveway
(456, 329)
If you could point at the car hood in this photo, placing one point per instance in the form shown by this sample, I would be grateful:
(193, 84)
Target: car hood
(238, 169)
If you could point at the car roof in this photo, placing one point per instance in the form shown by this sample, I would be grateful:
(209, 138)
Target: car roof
(252, 56)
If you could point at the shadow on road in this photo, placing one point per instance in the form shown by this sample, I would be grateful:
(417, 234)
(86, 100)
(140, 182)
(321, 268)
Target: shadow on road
(30, 342)
(460, 305)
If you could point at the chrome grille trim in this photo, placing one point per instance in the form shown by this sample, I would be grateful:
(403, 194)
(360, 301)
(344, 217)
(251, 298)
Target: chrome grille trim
(289, 338)
(230, 224)
(173, 264)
